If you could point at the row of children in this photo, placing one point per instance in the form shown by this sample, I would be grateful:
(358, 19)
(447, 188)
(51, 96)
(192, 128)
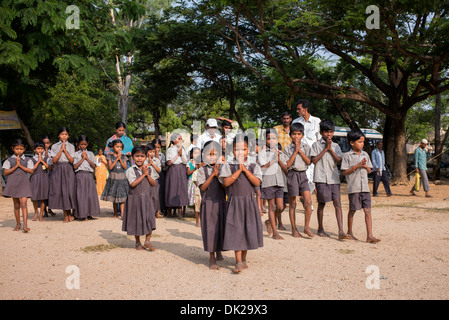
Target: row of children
(229, 212)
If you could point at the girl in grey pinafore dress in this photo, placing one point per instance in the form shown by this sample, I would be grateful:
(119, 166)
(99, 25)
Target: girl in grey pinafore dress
(139, 215)
(18, 184)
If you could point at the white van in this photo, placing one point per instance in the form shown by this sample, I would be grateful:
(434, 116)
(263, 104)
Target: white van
(341, 132)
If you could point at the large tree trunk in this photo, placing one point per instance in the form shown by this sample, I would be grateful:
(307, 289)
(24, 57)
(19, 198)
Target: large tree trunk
(399, 165)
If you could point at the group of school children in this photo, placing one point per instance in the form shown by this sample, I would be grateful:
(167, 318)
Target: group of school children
(228, 192)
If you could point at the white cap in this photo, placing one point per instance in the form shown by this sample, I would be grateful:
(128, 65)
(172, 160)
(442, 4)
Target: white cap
(212, 123)
(424, 141)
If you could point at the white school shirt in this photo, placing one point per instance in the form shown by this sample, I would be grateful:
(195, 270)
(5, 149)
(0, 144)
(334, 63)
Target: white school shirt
(30, 164)
(273, 175)
(55, 148)
(326, 170)
(171, 154)
(131, 174)
(84, 166)
(225, 170)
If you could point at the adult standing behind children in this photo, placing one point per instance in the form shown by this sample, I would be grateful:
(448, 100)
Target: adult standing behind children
(211, 133)
(380, 172)
(120, 133)
(284, 130)
(421, 167)
(311, 132)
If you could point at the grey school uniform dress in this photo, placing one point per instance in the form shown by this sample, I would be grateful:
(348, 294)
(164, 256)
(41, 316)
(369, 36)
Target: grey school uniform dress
(212, 211)
(273, 181)
(62, 183)
(117, 187)
(40, 180)
(156, 189)
(18, 184)
(243, 224)
(161, 182)
(326, 174)
(297, 180)
(176, 194)
(139, 214)
(358, 189)
(87, 204)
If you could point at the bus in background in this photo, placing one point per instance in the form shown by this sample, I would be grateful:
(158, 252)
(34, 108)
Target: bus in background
(340, 134)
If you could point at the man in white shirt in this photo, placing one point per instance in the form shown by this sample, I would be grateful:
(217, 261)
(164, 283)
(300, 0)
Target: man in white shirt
(311, 132)
(211, 133)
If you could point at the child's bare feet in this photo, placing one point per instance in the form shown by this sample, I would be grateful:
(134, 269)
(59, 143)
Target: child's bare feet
(269, 229)
(219, 256)
(17, 228)
(308, 232)
(372, 240)
(322, 233)
(276, 236)
(281, 227)
(351, 236)
(26, 229)
(343, 235)
(238, 267)
(35, 216)
(296, 234)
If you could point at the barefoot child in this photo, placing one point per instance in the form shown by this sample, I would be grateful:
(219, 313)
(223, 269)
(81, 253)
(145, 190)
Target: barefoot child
(18, 186)
(139, 215)
(243, 224)
(155, 164)
(116, 188)
(62, 183)
(273, 165)
(176, 195)
(356, 165)
(326, 155)
(298, 185)
(213, 203)
(40, 182)
(87, 204)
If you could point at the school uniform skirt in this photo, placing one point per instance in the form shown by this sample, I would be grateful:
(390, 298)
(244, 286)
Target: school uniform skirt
(40, 184)
(87, 204)
(62, 194)
(212, 219)
(176, 186)
(17, 185)
(139, 218)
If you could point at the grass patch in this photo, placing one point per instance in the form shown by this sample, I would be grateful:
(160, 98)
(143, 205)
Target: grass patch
(345, 251)
(99, 248)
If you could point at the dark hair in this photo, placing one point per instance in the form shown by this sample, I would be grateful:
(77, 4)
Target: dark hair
(211, 144)
(191, 152)
(279, 146)
(354, 135)
(193, 137)
(62, 129)
(305, 104)
(149, 146)
(120, 125)
(326, 125)
(18, 142)
(225, 123)
(285, 113)
(114, 142)
(139, 149)
(46, 137)
(296, 127)
(241, 137)
(38, 144)
(270, 131)
(156, 141)
(83, 137)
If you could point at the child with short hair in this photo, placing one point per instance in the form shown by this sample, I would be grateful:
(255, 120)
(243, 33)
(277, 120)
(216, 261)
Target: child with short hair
(40, 182)
(355, 166)
(273, 164)
(116, 188)
(326, 156)
(243, 224)
(139, 215)
(18, 186)
(298, 153)
(213, 203)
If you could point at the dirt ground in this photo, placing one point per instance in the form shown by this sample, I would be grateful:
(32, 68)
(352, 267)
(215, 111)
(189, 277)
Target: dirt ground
(411, 261)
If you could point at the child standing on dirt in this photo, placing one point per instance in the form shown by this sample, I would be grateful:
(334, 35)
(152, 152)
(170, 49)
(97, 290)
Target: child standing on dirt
(355, 166)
